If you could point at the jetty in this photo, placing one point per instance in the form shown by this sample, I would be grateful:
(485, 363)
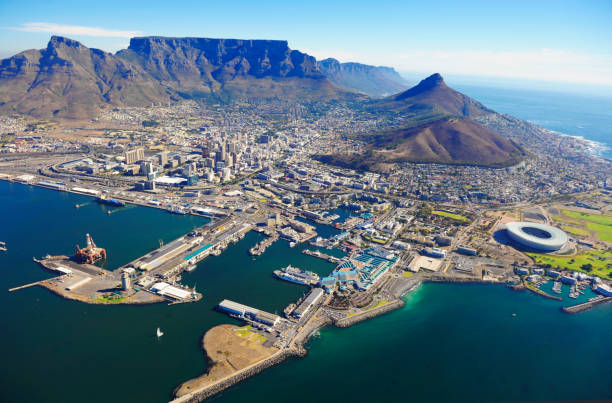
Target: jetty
(585, 306)
(321, 255)
(261, 247)
(21, 287)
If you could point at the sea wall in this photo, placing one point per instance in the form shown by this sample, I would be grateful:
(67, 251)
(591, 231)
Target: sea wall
(585, 306)
(351, 320)
(240, 376)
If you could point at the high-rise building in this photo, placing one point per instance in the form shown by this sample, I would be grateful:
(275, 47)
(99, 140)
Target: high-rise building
(162, 158)
(146, 167)
(133, 156)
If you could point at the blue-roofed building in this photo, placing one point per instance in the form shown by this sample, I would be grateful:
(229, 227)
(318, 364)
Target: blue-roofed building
(365, 269)
(328, 284)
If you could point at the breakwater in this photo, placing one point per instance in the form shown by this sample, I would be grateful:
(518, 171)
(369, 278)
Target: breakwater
(360, 317)
(248, 372)
(586, 305)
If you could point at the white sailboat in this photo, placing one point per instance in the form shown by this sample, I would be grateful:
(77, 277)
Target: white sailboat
(159, 333)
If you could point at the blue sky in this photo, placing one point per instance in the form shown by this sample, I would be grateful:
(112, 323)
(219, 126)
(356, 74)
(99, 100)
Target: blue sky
(557, 41)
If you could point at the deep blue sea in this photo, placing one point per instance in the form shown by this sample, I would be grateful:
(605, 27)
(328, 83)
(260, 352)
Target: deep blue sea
(450, 343)
(587, 116)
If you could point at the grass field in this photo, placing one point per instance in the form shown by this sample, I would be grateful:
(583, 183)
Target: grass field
(584, 224)
(604, 232)
(106, 300)
(601, 262)
(246, 333)
(595, 218)
(570, 229)
(452, 216)
(407, 274)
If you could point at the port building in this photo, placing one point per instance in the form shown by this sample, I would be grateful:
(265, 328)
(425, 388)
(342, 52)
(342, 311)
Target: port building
(365, 269)
(163, 254)
(167, 290)
(537, 236)
(248, 313)
(313, 297)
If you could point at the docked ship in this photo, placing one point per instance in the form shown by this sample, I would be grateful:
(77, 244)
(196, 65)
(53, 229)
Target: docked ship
(177, 210)
(111, 202)
(297, 275)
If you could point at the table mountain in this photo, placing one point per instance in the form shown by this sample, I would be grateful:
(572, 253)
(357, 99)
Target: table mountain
(71, 80)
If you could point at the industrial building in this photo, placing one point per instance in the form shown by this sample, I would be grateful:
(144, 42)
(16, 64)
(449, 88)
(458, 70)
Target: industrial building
(167, 290)
(313, 297)
(248, 313)
(536, 236)
(163, 254)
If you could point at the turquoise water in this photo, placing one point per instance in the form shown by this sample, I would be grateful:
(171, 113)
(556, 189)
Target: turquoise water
(450, 342)
(588, 116)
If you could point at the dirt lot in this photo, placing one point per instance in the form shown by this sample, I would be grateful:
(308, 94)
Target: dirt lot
(229, 348)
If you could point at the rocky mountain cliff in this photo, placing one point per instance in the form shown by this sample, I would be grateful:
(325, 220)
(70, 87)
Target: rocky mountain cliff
(375, 81)
(69, 79)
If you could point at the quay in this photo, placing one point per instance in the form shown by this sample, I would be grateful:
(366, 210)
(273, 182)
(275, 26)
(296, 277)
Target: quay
(585, 306)
(321, 255)
(261, 247)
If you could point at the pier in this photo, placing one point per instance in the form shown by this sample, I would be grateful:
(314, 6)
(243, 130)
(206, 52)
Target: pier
(261, 247)
(321, 255)
(21, 287)
(585, 306)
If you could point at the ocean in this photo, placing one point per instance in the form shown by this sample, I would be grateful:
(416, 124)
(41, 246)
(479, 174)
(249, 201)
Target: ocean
(451, 342)
(580, 115)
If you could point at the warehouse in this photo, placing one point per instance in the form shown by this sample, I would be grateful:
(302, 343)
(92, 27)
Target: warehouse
(167, 290)
(308, 302)
(248, 313)
(163, 254)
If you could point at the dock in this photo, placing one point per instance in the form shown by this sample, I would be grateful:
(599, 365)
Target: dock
(261, 247)
(321, 255)
(585, 306)
(21, 287)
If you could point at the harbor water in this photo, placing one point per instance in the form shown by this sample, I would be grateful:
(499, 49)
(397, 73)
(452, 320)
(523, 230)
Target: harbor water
(451, 342)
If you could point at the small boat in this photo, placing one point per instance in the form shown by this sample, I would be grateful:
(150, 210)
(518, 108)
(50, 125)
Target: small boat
(291, 244)
(159, 333)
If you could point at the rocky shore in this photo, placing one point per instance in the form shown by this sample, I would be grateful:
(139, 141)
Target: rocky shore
(360, 317)
(215, 388)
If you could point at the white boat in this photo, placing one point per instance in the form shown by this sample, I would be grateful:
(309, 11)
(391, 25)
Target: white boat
(291, 244)
(159, 333)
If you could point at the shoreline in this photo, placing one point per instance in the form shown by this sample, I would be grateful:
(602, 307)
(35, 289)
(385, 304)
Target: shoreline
(297, 348)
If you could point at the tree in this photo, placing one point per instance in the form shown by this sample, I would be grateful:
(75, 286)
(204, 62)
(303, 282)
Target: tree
(587, 267)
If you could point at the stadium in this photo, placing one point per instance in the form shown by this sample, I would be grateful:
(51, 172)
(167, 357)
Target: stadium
(541, 237)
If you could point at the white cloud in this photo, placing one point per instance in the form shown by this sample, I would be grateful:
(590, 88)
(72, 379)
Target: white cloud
(48, 27)
(544, 64)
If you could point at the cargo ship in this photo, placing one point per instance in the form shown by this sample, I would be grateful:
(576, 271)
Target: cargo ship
(297, 275)
(111, 202)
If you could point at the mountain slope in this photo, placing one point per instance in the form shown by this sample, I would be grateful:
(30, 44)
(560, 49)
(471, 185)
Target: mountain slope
(375, 81)
(432, 96)
(68, 79)
(450, 140)
(438, 128)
